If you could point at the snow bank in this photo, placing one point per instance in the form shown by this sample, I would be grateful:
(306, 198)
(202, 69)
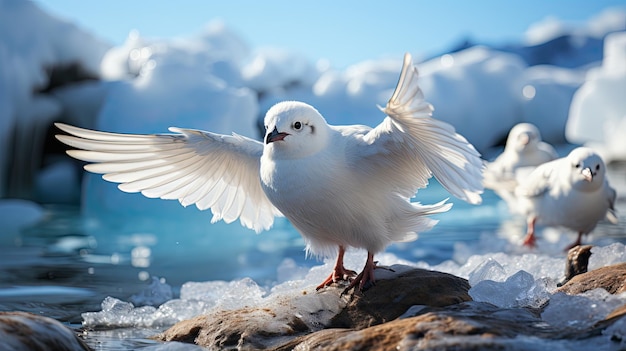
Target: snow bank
(32, 43)
(598, 111)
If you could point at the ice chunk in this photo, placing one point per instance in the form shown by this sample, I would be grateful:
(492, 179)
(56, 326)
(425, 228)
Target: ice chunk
(602, 256)
(226, 295)
(488, 270)
(617, 333)
(518, 290)
(581, 311)
(116, 312)
(154, 294)
(314, 309)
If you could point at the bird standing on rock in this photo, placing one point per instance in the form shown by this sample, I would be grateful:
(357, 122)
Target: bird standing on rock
(572, 192)
(340, 186)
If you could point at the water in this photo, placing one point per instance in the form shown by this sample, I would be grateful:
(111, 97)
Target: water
(66, 265)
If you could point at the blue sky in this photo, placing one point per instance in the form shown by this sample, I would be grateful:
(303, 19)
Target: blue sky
(343, 32)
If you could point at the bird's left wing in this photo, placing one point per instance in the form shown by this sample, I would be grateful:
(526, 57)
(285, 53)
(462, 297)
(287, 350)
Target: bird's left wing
(418, 146)
(215, 171)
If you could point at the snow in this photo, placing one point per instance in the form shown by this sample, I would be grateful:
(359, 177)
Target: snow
(598, 111)
(26, 53)
(213, 80)
(598, 26)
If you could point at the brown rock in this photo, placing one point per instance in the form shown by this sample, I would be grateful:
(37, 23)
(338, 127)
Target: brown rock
(390, 298)
(284, 317)
(27, 331)
(577, 261)
(239, 328)
(610, 278)
(470, 325)
(288, 317)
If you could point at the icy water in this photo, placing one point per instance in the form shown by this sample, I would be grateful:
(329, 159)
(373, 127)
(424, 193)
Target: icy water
(67, 265)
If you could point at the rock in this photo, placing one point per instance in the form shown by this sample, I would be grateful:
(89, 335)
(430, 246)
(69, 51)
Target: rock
(27, 331)
(280, 318)
(243, 328)
(289, 317)
(390, 298)
(469, 325)
(577, 262)
(409, 309)
(610, 278)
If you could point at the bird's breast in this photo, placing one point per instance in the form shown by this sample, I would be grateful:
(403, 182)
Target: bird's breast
(286, 182)
(301, 187)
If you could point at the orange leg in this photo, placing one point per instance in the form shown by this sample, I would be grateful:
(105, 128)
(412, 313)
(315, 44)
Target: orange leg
(339, 271)
(530, 239)
(367, 275)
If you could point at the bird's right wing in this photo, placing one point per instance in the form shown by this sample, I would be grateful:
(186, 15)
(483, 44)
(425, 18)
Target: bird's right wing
(215, 171)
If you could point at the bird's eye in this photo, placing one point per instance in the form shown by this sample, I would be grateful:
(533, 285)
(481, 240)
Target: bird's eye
(597, 167)
(577, 165)
(297, 125)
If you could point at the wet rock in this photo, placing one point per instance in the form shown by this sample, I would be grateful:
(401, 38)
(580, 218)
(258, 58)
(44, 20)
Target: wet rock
(27, 331)
(390, 298)
(275, 320)
(577, 262)
(250, 328)
(610, 278)
(466, 326)
(289, 317)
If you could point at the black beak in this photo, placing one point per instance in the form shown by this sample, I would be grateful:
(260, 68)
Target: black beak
(274, 135)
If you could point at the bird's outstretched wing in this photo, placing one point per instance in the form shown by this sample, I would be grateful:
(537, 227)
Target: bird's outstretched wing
(418, 146)
(215, 171)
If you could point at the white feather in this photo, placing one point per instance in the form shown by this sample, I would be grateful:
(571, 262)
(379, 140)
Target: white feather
(185, 166)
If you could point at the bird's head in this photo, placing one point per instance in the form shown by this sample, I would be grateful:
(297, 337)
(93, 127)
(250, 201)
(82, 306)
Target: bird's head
(523, 137)
(294, 130)
(588, 169)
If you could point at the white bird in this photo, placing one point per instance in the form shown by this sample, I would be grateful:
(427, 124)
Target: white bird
(572, 192)
(524, 150)
(340, 186)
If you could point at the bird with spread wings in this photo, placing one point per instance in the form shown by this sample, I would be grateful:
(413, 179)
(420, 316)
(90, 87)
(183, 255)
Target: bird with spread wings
(340, 186)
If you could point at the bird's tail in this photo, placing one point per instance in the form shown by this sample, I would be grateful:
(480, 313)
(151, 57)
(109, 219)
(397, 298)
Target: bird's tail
(415, 219)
